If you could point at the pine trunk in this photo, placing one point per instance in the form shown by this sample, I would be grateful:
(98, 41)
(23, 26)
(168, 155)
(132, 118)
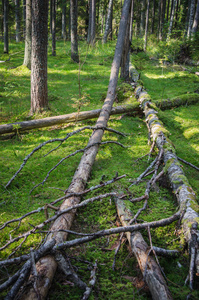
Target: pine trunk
(74, 40)
(196, 20)
(28, 36)
(53, 27)
(5, 26)
(17, 20)
(39, 93)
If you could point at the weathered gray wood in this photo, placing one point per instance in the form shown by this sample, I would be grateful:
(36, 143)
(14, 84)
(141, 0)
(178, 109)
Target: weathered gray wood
(149, 268)
(73, 117)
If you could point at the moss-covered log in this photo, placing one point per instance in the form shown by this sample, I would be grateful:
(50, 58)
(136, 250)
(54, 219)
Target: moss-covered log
(178, 181)
(73, 117)
(149, 268)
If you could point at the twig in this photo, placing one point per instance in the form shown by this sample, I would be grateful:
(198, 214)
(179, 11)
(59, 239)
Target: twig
(72, 154)
(35, 275)
(57, 140)
(91, 282)
(41, 225)
(187, 163)
(39, 209)
(166, 252)
(145, 172)
(130, 228)
(117, 250)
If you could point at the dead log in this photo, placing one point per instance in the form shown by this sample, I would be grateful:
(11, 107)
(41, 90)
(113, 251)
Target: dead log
(179, 183)
(56, 120)
(47, 266)
(149, 268)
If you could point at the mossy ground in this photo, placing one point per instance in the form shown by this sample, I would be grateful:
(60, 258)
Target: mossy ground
(161, 82)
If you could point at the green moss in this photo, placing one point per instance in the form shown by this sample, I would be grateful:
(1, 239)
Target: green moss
(123, 92)
(194, 205)
(168, 164)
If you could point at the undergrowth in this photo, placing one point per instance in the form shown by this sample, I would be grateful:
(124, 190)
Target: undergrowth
(161, 81)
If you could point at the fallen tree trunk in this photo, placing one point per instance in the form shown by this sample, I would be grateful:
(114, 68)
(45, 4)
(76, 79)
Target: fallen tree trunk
(73, 117)
(149, 268)
(47, 266)
(179, 183)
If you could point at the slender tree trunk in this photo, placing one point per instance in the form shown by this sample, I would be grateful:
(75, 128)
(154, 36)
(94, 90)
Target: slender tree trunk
(89, 22)
(47, 266)
(64, 20)
(39, 93)
(93, 25)
(159, 19)
(131, 21)
(108, 22)
(24, 19)
(196, 20)
(53, 27)
(168, 5)
(142, 16)
(171, 20)
(5, 26)
(74, 40)
(146, 26)
(17, 20)
(153, 18)
(191, 17)
(187, 18)
(28, 36)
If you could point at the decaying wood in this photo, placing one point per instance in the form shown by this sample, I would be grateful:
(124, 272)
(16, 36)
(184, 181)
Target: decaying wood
(179, 183)
(73, 117)
(148, 266)
(47, 266)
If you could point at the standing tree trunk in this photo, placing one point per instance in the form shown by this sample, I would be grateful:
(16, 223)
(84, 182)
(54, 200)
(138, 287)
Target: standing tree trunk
(142, 17)
(146, 26)
(46, 267)
(28, 36)
(64, 20)
(53, 27)
(153, 18)
(39, 92)
(5, 25)
(168, 5)
(17, 20)
(171, 20)
(108, 22)
(93, 25)
(131, 21)
(24, 19)
(74, 40)
(196, 20)
(191, 17)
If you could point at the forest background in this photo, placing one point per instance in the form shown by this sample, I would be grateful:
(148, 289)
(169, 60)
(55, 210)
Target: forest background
(168, 69)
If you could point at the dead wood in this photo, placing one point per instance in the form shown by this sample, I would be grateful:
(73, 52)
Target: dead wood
(179, 183)
(47, 266)
(149, 268)
(62, 119)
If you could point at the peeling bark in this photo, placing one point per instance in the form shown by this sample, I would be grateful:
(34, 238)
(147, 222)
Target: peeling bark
(148, 266)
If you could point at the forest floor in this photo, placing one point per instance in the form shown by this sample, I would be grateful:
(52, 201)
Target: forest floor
(162, 81)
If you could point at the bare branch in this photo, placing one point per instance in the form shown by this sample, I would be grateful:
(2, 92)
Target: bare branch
(91, 282)
(188, 163)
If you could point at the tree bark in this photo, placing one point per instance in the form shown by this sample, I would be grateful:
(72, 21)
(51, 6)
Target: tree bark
(47, 266)
(74, 40)
(146, 25)
(171, 19)
(28, 36)
(17, 20)
(5, 26)
(149, 268)
(191, 18)
(39, 93)
(64, 20)
(24, 19)
(196, 20)
(53, 27)
(73, 117)
(108, 21)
